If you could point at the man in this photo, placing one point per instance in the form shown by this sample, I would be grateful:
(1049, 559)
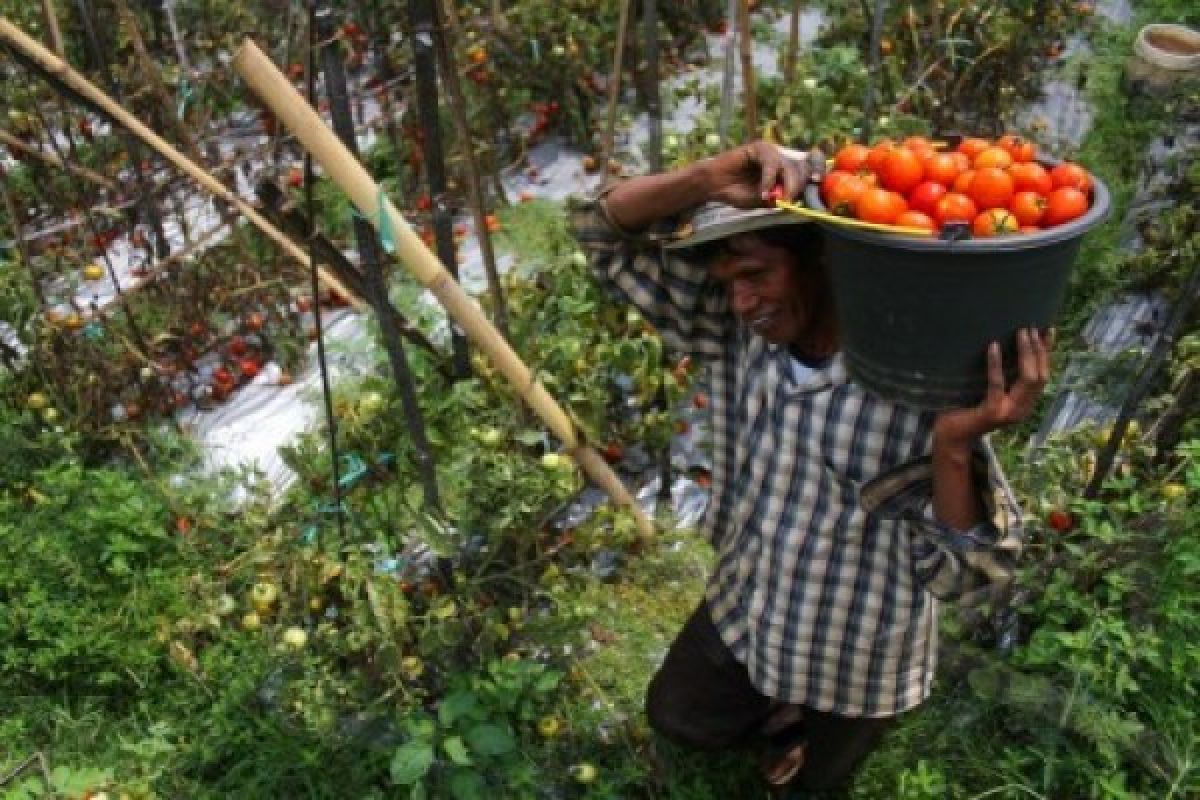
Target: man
(839, 518)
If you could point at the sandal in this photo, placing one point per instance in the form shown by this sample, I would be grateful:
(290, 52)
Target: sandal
(787, 745)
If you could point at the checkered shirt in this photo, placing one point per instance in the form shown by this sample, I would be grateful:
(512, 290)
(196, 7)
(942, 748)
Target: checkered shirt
(829, 560)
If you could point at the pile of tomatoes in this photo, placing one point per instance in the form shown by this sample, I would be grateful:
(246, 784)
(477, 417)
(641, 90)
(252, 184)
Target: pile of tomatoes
(996, 187)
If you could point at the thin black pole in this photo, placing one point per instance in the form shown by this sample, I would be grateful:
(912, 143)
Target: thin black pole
(653, 102)
(310, 180)
(372, 260)
(421, 21)
(458, 112)
(1188, 298)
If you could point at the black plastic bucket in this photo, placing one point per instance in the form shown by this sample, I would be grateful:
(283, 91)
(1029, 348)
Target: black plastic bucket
(916, 315)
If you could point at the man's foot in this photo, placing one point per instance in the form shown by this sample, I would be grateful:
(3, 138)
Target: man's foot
(787, 744)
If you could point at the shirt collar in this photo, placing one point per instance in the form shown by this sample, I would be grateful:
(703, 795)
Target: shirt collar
(832, 374)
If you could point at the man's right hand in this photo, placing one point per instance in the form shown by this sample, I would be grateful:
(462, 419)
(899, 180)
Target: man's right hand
(745, 176)
(741, 177)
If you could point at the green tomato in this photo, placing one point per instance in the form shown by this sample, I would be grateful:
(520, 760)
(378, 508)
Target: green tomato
(584, 773)
(263, 596)
(549, 726)
(555, 461)
(371, 403)
(226, 605)
(295, 638)
(1174, 491)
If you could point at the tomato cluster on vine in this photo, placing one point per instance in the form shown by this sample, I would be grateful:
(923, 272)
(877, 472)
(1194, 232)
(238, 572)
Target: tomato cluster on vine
(996, 187)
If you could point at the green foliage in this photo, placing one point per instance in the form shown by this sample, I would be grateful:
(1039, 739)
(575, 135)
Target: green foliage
(66, 595)
(472, 742)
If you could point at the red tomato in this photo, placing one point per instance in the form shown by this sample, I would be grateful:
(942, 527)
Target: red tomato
(924, 198)
(963, 161)
(955, 207)
(962, 184)
(842, 197)
(879, 205)
(901, 171)
(1060, 520)
(1072, 175)
(992, 157)
(916, 219)
(1021, 149)
(994, 222)
(1028, 207)
(971, 147)
(1063, 205)
(878, 153)
(943, 168)
(851, 158)
(919, 145)
(249, 367)
(831, 180)
(991, 188)
(1031, 176)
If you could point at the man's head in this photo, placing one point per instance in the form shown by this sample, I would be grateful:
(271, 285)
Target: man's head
(778, 284)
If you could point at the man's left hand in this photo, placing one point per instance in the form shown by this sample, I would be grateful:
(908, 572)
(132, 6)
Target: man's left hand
(1001, 405)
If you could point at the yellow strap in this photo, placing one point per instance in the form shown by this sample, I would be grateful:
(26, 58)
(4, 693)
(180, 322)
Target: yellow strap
(812, 213)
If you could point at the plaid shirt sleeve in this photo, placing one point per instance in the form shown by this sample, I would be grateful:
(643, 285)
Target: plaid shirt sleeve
(953, 565)
(687, 308)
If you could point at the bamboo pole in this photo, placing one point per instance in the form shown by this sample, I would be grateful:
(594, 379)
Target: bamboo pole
(60, 70)
(14, 144)
(262, 76)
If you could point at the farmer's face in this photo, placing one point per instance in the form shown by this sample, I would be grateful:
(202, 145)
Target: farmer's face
(779, 297)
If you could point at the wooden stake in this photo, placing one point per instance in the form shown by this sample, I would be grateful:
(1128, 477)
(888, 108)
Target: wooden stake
(614, 88)
(728, 72)
(154, 79)
(17, 146)
(749, 86)
(274, 89)
(52, 29)
(793, 44)
(55, 66)
(458, 113)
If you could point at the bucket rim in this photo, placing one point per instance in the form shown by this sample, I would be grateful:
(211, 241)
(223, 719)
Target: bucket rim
(1097, 213)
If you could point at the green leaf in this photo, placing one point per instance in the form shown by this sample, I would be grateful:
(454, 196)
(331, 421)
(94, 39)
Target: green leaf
(491, 739)
(547, 682)
(461, 703)
(457, 751)
(411, 762)
(466, 785)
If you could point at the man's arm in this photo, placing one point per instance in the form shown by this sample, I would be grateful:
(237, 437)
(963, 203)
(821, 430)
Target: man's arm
(740, 177)
(956, 501)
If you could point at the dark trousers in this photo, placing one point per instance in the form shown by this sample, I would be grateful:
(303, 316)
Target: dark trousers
(702, 697)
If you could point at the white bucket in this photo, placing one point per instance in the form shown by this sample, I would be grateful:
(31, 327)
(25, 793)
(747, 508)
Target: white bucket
(1164, 55)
